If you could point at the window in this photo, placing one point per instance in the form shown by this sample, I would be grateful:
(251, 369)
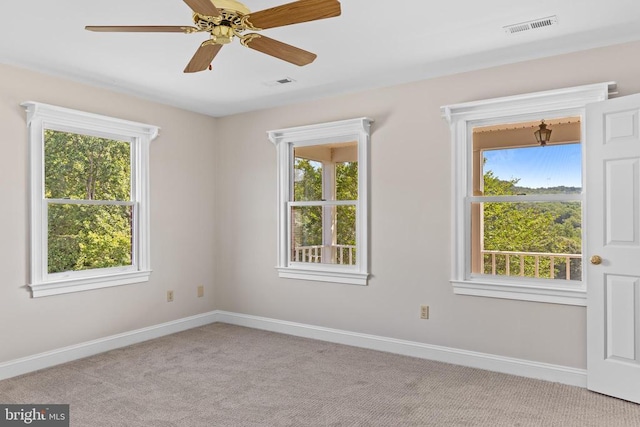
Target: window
(518, 211)
(323, 201)
(526, 217)
(89, 200)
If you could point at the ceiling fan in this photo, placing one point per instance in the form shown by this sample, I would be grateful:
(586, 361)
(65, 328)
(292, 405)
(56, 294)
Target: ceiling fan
(226, 19)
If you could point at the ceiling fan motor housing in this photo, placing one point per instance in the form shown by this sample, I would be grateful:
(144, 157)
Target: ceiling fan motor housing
(232, 5)
(224, 27)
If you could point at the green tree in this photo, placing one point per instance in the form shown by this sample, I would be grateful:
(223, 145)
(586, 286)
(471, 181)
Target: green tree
(548, 227)
(84, 236)
(346, 189)
(308, 187)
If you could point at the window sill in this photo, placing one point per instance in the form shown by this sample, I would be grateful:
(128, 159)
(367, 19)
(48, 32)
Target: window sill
(525, 292)
(67, 286)
(324, 275)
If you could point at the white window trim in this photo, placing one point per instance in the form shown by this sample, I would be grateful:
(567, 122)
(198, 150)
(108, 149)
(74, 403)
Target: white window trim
(42, 116)
(527, 107)
(325, 133)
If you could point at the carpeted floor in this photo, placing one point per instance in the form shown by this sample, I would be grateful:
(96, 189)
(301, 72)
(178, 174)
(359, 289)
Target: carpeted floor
(223, 375)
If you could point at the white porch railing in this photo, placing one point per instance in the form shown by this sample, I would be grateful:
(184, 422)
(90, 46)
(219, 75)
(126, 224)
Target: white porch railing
(342, 254)
(496, 256)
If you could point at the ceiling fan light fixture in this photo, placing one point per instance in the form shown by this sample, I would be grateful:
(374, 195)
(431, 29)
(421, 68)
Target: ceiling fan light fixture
(222, 34)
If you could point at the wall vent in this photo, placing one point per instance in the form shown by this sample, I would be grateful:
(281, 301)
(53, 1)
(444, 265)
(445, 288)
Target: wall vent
(531, 25)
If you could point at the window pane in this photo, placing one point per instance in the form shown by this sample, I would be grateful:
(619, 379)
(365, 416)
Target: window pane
(335, 244)
(83, 237)
(86, 167)
(345, 250)
(532, 239)
(306, 233)
(553, 169)
(347, 181)
(307, 180)
(326, 172)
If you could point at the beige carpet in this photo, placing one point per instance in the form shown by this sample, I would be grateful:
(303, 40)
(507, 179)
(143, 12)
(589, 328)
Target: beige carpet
(222, 375)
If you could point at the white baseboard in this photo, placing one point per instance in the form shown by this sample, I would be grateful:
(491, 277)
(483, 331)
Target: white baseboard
(67, 354)
(490, 362)
(507, 365)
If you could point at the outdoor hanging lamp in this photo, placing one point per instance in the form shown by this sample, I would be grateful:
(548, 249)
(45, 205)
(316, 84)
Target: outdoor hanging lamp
(543, 135)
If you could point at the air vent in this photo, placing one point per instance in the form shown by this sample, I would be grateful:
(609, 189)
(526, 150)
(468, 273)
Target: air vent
(531, 25)
(279, 82)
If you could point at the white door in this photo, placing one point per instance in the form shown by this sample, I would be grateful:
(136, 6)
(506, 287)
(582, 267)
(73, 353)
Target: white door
(613, 234)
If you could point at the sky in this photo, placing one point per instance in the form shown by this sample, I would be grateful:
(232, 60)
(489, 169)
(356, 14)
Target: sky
(549, 166)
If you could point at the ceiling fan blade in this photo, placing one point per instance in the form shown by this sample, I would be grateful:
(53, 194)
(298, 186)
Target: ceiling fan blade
(281, 50)
(294, 13)
(141, 29)
(203, 7)
(203, 57)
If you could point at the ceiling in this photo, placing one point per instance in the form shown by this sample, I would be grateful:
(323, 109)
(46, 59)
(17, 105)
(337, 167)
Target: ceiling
(372, 44)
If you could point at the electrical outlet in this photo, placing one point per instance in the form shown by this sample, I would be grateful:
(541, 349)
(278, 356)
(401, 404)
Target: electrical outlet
(200, 291)
(169, 296)
(424, 311)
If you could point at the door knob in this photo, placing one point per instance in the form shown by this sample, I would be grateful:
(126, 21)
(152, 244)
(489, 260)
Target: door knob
(596, 260)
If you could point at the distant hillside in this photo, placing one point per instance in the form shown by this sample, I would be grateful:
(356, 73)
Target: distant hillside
(550, 190)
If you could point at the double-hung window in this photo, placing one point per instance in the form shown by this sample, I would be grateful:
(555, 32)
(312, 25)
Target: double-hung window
(526, 212)
(323, 201)
(518, 211)
(89, 200)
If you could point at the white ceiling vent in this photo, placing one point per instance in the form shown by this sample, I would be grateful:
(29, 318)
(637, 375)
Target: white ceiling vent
(531, 25)
(283, 81)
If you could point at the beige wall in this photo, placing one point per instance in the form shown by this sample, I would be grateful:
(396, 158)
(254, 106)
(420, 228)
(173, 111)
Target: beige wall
(182, 217)
(410, 217)
(213, 219)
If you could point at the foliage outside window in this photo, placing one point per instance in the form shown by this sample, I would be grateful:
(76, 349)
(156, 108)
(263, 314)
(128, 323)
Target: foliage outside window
(526, 237)
(89, 200)
(323, 232)
(323, 189)
(85, 169)
(498, 221)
